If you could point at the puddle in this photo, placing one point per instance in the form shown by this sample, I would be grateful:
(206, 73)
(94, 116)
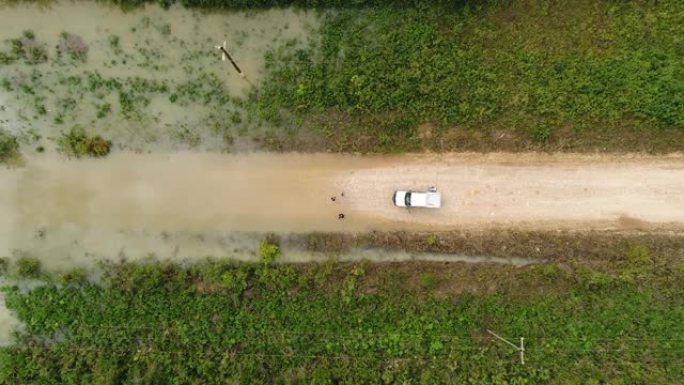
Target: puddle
(152, 78)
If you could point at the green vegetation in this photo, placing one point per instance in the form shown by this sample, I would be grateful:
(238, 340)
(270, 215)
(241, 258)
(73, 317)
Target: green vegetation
(4, 265)
(77, 143)
(388, 76)
(25, 48)
(65, 93)
(423, 323)
(500, 75)
(28, 267)
(9, 147)
(268, 251)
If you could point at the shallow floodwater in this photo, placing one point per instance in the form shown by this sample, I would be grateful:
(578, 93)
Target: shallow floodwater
(151, 78)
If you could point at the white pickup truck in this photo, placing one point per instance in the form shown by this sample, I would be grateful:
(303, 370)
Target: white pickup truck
(430, 199)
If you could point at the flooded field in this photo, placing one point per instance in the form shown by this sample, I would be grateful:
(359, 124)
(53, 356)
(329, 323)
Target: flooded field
(148, 79)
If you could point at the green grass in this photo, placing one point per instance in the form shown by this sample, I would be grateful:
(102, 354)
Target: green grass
(512, 75)
(218, 323)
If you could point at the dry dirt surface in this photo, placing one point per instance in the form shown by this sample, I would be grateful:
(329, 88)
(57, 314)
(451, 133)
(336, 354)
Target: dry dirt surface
(53, 203)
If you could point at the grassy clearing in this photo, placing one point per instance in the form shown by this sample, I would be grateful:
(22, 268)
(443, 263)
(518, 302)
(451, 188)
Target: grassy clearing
(573, 76)
(220, 322)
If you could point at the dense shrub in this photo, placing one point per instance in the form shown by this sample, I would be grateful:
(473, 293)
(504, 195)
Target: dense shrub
(28, 267)
(229, 323)
(268, 251)
(77, 143)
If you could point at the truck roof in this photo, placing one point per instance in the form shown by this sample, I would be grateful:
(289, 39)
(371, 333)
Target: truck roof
(428, 199)
(431, 199)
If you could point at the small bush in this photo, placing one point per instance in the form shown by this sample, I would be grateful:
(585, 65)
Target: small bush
(268, 252)
(9, 147)
(28, 267)
(541, 133)
(77, 143)
(638, 256)
(432, 240)
(427, 281)
(77, 276)
(548, 271)
(592, 279)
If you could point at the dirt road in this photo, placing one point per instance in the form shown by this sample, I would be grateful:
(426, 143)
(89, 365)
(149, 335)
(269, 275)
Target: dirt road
(130, 202)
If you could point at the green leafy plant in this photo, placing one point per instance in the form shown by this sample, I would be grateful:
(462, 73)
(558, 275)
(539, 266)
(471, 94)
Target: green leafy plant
(639, 256)
(268, 251)
(28, 267)
(427, 281)
(541, 133)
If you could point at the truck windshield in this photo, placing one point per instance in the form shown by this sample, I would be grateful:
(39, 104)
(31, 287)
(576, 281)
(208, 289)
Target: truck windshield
(407, 199)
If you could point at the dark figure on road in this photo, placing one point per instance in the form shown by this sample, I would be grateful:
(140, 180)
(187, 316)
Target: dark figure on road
(340, 216)
(333, 199)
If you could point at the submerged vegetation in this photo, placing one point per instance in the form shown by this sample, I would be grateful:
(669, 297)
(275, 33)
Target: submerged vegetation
(78, 143)
(222, 322)
(128, 88)
(9, 146)
(26, 49)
